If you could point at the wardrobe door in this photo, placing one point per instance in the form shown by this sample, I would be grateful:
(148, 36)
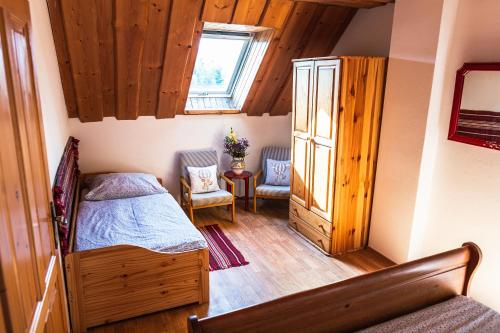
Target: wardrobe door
(17, 255)
(301, 131)
(323, 137)
(46, 309)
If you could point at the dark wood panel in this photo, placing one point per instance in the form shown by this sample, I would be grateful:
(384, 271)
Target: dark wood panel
(80, 20)
(321, 42)
(154, 51)
(276, 15)
(128, 58)
(352, 3)
(183, 21)
(131, 17)
(248, 12)
(57, 23)
(105, 34)
(181, 103)
(218, 10)
(288, 47)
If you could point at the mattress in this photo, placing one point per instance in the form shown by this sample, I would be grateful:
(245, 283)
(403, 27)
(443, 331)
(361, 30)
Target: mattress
(155, 222)
(460, 314)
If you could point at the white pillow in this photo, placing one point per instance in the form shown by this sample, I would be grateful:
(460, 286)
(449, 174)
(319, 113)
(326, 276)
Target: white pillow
(277, 173)
(203, 180)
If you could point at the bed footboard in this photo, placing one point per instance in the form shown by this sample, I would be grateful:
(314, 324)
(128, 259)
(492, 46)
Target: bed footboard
(356, 303)
(125, 281)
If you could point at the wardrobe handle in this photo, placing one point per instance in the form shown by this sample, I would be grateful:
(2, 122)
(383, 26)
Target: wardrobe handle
(322, 228)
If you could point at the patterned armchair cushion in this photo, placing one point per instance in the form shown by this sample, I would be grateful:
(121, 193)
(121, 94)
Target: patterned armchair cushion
(197, 158)
(272, 191)
(273, 153)
(278, 173)
(220, 197)
(122, 185)
(203, 180)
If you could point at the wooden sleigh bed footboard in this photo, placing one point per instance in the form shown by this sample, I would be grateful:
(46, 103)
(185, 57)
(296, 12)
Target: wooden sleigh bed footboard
(358, 302)
(124, 281)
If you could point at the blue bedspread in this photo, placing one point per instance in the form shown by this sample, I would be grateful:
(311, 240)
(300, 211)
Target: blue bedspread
(156, 222)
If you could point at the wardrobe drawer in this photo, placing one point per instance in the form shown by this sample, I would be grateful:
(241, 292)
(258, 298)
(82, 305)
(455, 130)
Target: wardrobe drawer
(317, 223)
(317, 238)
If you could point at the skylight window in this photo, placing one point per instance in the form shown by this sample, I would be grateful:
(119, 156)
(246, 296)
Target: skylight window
(221, 56)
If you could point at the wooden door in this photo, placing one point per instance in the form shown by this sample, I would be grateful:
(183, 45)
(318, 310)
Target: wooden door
(301, 131)
(30, 264)
(323, 137)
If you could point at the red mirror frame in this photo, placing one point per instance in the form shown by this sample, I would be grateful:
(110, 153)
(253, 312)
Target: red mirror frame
(457, 101)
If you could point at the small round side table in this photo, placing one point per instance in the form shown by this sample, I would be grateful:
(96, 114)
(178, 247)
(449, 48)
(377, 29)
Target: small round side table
(246, 175)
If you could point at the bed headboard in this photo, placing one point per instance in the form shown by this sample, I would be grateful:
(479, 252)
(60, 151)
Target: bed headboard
(64, 190)
(358, 302)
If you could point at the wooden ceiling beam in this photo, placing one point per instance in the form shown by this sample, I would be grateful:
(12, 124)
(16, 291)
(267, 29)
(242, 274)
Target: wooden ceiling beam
(63, 58)
(130, 32)
(352, 3)
(248, 12)
(184, 17)
(276, 14)
(80, 21)
(131, 58)
(105, 35)
(321, 42)
(188, 73)
(279, 66)
(218, 10)
(153, 54)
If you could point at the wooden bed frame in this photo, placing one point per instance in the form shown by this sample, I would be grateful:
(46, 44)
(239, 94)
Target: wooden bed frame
(119, 282)
(356, 303)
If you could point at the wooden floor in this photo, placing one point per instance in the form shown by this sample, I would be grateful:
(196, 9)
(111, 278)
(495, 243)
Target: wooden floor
(281, 263)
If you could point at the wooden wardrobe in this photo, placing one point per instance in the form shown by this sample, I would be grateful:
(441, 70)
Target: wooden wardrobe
(337, 105)
(32, 297)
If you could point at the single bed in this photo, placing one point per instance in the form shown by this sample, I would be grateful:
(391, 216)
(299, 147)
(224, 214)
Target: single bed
(128, 257)
(133, 256)
(426, 295)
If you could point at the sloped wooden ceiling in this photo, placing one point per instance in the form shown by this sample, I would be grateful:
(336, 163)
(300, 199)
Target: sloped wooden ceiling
(131, 58)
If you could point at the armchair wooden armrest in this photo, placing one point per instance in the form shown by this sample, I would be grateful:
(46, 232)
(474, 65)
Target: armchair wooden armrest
(229, 181)
(256, 178)
(185, 186)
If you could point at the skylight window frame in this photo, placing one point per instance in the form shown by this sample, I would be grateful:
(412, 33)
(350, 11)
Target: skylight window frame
(243, 57)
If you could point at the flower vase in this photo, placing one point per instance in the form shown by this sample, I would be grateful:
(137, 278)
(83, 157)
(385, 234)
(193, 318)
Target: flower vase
(238, 165)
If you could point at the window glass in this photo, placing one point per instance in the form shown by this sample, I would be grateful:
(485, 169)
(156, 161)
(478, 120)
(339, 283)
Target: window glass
(219, 60)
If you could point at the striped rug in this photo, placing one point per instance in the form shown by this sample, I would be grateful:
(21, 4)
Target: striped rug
(223, 254)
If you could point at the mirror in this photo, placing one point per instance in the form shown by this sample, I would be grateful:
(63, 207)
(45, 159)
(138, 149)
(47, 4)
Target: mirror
(475, 117)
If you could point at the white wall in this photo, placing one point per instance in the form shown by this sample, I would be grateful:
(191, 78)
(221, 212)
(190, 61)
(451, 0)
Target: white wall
(465, 191)
(408, 90)
(433, 194)
(55, 118)
(369, 33)
(151, 145)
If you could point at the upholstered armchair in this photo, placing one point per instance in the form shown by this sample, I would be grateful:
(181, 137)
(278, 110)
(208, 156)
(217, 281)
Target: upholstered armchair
(265, 191)
(192, 201)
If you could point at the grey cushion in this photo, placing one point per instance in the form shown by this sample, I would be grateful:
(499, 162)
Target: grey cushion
(273, 191)
(273, 153)
(220, 197)
(122, 185)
